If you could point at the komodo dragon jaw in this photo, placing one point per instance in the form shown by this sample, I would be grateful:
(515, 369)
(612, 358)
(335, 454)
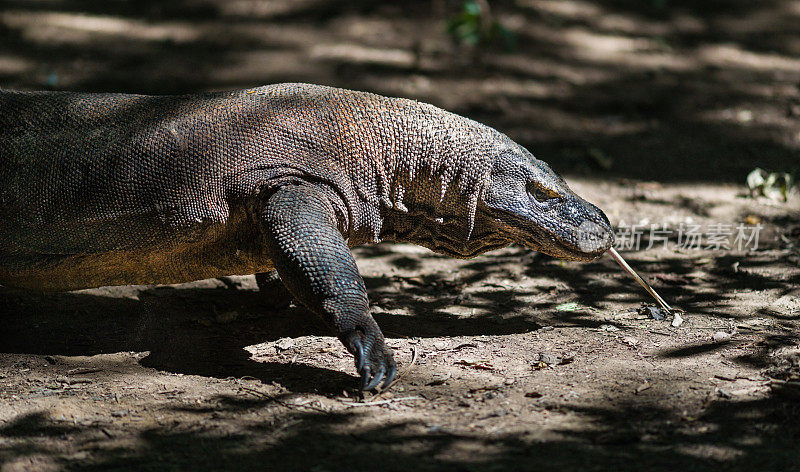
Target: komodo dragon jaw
(535, 208)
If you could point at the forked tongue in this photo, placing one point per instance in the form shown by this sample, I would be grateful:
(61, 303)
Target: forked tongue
(615, 255)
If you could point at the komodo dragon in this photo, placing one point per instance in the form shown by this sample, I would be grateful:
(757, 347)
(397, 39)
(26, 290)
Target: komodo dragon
(113, 189)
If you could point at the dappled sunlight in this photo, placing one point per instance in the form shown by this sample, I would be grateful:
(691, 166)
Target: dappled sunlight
(732, 56)
(266, 9)
(10, 65)
(67, 27)
(655, 111)
(362, 55)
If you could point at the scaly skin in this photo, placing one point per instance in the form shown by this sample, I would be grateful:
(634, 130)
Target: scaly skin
(111, 189)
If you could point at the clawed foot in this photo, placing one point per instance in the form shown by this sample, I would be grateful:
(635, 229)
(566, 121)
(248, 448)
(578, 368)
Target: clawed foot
(374, 361)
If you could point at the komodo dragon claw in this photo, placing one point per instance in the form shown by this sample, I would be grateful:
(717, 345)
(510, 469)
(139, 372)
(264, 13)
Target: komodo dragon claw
(373, 365)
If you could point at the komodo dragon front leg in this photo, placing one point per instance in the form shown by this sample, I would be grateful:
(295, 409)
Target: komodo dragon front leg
(315, 263)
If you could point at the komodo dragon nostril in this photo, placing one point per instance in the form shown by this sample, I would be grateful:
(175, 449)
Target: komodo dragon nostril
(592, 236)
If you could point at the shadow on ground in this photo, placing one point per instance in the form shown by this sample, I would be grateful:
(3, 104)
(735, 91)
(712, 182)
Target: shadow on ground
(204, 330)
(748, 435)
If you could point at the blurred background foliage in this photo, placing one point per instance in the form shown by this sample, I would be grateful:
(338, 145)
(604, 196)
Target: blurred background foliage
(670, 90)
(474, 26)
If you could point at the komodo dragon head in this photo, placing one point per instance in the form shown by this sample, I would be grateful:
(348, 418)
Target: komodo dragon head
(534, 207)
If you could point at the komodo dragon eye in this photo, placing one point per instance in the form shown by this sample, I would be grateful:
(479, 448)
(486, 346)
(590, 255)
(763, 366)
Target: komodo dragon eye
(540, 194)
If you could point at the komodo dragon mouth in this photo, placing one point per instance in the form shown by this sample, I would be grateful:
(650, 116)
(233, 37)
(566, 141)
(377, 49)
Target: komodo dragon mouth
(584, 242)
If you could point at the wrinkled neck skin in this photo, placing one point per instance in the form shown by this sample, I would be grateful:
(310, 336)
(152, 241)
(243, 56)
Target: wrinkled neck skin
(431, 196)
(444, 235)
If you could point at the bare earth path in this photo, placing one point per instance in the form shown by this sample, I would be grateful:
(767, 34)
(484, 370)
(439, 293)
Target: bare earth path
(524, 363)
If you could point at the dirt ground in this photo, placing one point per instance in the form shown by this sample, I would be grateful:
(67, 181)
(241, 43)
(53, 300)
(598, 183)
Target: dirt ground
(656, 114)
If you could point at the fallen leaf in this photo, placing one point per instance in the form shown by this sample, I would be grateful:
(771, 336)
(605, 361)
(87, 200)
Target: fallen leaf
(570, 306)
(752, 220)
(652, 311)
(553, 359)
(727, 378)
(475, 364)
(630, 340)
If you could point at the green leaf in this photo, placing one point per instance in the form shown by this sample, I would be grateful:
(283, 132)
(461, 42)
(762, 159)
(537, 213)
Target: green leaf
(756, 178)
(773, 185)
(470, 27)
(472, 8)
(570, 306)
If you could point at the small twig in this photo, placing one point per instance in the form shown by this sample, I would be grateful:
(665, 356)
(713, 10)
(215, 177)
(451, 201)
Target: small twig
(453, 349)
(662, 333)
(83, 370)
(414, 356)
(252, 390)
(381, 402)
(281, 402)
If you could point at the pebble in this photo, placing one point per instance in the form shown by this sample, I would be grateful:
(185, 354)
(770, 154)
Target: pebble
(721, 336)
